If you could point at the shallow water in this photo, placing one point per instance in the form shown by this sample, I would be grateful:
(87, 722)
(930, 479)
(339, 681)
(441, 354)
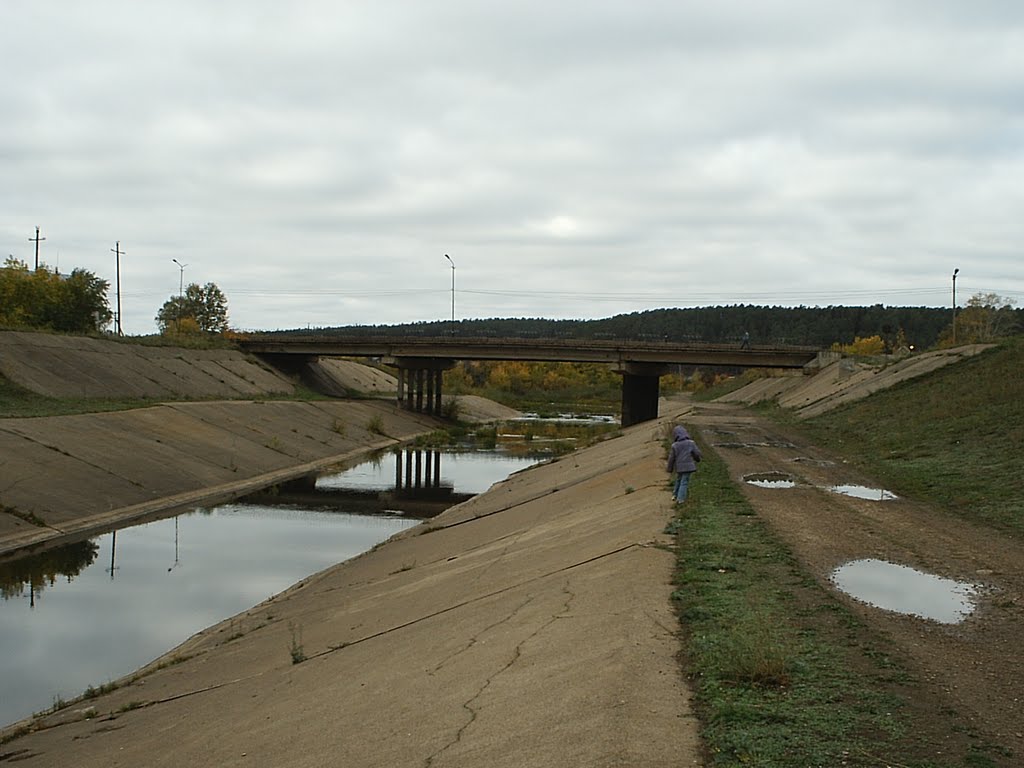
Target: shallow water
(88, 613)
(770, 480)
(862, 492)
(902, 589)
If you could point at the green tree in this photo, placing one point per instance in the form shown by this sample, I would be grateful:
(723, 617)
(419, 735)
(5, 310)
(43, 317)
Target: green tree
(199, 309)
(76, 303)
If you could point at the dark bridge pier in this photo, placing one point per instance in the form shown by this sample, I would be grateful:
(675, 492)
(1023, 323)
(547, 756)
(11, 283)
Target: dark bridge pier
(640, 391)
(419, 382)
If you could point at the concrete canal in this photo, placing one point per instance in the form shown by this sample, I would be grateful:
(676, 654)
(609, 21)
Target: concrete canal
(88, 613)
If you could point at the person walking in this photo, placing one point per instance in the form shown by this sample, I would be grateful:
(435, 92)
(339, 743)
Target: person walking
(683, 458)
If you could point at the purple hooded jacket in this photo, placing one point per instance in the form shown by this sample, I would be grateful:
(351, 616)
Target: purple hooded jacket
(685, 454)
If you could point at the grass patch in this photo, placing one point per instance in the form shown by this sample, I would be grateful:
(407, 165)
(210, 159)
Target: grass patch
(783, 674)
(951, 438)
(17, 402)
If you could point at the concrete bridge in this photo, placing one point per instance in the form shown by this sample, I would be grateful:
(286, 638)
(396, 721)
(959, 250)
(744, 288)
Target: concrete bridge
(421, 361)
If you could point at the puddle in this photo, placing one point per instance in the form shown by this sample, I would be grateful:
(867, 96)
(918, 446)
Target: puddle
(770, 480)
(760, 444)
(902, 589)
(861, 492)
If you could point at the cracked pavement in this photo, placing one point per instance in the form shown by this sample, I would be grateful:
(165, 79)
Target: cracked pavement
(529, 626)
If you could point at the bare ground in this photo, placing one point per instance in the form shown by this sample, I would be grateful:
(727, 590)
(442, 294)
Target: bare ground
(971, 668)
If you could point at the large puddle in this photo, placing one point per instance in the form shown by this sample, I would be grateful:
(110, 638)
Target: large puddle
(862, 492)
(902, 589)
(88, 613)
(783, 480)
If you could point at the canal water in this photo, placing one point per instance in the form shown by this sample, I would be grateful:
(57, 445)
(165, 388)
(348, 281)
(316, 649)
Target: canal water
(88, 613)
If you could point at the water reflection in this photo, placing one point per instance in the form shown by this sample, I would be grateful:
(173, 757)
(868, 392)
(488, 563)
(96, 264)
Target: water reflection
(88, 613)
(863, 492)
(36, 573)
(902, 589)
(770, 480)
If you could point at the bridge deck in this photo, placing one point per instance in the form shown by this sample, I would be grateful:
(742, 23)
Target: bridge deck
(542, 350)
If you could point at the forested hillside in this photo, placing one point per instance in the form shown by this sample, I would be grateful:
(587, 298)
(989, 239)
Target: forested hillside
(816, 326)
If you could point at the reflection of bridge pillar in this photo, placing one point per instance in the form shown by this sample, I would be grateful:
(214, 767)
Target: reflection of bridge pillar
(640, 389)
(419, 382)
(422, 469)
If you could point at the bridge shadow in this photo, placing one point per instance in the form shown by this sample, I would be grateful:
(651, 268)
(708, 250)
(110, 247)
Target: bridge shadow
(417, 492)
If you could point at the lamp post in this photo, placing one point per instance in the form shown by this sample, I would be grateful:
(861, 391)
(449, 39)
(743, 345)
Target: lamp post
(453, 289)
(181, 282)
(954, 303)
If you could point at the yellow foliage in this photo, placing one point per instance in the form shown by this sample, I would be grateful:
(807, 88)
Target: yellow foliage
(872, 345)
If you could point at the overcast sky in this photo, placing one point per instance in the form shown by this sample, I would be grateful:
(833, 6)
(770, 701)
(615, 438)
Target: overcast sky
(576, 159)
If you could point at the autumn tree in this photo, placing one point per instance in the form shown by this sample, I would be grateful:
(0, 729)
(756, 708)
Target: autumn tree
(872, 345)
(987, 317)
(197, 310)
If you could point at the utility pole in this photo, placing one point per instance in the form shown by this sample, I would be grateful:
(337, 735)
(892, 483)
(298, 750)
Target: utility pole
(36, 240)
(117, 250)
(954, 303)
(181, 282)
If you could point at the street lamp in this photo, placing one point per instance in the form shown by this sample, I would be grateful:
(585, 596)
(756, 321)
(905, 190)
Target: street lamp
(453, 288)
(954, 303)
(181, 282)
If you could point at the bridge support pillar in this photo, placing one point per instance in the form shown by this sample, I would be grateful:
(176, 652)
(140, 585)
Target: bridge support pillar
(419, 382)
(640, 391)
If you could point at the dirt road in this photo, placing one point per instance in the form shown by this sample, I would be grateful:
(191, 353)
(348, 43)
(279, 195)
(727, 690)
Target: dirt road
(972, 667)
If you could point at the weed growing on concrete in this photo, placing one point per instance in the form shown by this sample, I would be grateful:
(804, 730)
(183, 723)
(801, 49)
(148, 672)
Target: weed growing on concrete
(29, 517)
(339, 427)
(298, 653)
(375, 425)
(451, 409)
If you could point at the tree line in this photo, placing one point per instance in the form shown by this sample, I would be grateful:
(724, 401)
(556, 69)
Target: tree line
(985, 317)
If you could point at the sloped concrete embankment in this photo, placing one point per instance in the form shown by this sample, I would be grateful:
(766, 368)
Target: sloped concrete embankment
(531, 625)
(844, 381)
(82, 367)
(75, 475)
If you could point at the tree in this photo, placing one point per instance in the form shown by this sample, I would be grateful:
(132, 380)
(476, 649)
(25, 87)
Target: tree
(199, 309)
(986, 317)
(42, 298)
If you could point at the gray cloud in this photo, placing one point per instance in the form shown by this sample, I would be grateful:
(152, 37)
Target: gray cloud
(576, 159)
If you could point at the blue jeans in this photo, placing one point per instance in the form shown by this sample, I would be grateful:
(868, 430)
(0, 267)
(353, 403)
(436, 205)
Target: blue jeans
(682, 485)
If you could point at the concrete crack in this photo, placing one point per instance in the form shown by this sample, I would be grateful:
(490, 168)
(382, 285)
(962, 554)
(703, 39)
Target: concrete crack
(484, 631)
(517, 653)
(476, 599)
